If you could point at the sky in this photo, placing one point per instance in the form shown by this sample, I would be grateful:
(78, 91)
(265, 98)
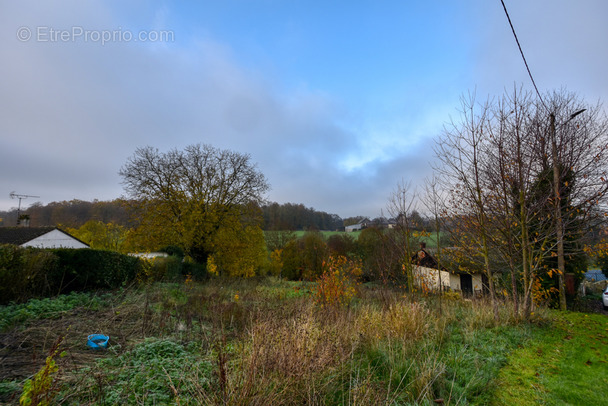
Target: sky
(335, 103)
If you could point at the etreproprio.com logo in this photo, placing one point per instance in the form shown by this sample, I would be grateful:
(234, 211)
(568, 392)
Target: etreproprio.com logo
(80, 34)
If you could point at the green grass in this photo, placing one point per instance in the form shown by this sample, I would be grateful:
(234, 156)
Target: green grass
(326, 234)
(47, 308)
(431, 240)
(565, 362)
(155, 367)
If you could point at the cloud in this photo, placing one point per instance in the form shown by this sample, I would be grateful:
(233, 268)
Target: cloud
(75, 111)
(72, 112)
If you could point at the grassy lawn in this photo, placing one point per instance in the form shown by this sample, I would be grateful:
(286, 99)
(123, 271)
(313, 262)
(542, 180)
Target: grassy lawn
(564, 362)
(268, 342)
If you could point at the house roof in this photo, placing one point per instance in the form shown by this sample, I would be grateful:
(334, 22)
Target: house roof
(21, 235)
(595, 275)
(426, 257)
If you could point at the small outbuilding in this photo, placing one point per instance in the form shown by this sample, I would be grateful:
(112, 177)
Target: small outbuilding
(39, 237)
(429, 275)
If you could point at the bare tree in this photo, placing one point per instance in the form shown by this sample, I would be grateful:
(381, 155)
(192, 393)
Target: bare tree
(401, 206)
(433, 201)
(462, 150)
(499, 164)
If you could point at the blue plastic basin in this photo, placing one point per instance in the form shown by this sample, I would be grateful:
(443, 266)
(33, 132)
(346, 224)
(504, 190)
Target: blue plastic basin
(97, 341)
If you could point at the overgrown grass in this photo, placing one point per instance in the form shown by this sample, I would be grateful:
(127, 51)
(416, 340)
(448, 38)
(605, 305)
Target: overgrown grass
(155, 371)
(266, 342)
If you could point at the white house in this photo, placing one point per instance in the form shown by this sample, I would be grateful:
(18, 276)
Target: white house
(39, 237)
(356, 227)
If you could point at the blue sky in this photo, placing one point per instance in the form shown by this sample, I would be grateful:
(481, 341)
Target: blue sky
(336, 103)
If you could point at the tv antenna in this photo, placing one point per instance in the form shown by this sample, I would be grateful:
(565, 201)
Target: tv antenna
(14, 195)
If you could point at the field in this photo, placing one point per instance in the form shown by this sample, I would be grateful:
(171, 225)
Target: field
(431, 240)
(268, 341)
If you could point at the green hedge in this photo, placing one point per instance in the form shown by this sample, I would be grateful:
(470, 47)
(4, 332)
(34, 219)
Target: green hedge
(23, 272)
(86, 269)
(33, 272)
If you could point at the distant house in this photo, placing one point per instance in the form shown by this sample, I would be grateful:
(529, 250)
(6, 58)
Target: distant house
(427, 273)
(39, 237)
(356, 227)
(149, 255)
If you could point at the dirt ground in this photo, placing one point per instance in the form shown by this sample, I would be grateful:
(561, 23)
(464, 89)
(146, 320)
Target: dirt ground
(23, 350)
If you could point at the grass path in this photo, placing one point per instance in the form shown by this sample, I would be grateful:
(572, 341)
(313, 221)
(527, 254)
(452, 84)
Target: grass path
(564, 363)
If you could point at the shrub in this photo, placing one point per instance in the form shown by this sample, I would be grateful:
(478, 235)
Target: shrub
(166, 268)
(23, 272)
(31, 272)
(92, 269)
(338, 283)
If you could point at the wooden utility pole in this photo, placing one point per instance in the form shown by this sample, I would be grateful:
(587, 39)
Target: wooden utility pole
(559, 226)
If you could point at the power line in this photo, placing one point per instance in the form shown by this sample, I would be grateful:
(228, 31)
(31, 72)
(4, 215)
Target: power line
(522, 54)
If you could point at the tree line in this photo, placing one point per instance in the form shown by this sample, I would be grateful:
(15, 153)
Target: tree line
(75, 213)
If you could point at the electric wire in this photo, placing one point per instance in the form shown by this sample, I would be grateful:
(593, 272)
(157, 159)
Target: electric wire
(522, 55)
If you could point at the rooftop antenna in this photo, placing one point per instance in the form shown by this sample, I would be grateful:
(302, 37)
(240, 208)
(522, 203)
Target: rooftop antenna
(14, 195)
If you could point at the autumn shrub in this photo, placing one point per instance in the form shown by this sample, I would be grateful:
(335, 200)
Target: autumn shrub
(338, 284)
(275, 265)
(240, 251)
(161, 269)
(451, 295)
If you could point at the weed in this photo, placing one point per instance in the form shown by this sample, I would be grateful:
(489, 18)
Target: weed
(154, 372)
(8, 391)
(42, 388)
(48, 308)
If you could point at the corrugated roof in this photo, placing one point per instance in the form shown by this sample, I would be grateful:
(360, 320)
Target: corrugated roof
(595, 275)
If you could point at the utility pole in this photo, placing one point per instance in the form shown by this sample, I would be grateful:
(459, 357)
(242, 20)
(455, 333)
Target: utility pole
(14, 195)
(559, 230)
(559, 226)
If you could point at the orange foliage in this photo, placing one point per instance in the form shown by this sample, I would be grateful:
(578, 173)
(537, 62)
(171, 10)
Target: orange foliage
(338, 284)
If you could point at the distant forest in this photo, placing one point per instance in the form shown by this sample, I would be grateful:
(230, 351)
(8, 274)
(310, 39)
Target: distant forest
(75, 213)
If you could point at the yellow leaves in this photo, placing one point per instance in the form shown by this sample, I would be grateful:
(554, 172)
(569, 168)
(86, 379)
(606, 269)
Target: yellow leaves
(211, 266)
(276, 261)
(239, 251)
(338, 283)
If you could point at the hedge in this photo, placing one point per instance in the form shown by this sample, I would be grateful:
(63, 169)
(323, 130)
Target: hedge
(33, 272)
